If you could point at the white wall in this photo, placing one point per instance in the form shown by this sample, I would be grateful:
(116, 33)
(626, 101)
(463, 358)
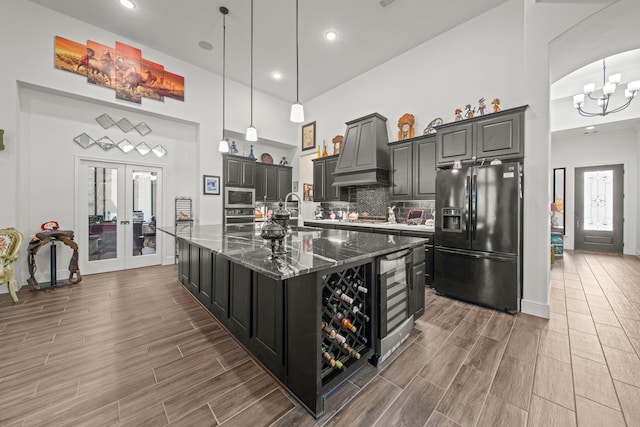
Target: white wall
(42, 109)
(572, 151)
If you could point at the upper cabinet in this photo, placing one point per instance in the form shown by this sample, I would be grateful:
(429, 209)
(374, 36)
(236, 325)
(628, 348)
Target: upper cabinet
(239, 171)
(323, 178)
(492, 136)
(273, 182)
(413, 168)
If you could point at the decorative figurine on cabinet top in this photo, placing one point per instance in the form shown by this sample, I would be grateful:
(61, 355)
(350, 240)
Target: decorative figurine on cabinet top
(429, 130)
(481, 106)
(405, 126)
(458, 114)
(251, 155)
(469, 113)
(337, 144)
(233, 149)
(496, 105)
(284, 161)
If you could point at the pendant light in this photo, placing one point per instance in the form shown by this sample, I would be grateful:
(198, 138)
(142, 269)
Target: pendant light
(252, 133)
(223, 145)
(297, 110)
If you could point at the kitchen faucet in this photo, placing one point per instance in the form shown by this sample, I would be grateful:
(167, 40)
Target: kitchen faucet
(286, 198)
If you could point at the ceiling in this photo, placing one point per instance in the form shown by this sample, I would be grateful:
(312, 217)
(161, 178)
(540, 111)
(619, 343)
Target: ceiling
(368, 34)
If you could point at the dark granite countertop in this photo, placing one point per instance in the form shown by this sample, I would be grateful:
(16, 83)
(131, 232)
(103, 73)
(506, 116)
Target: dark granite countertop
(308, 249)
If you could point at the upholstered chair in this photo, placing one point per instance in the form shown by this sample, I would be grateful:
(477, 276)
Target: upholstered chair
(10, 243)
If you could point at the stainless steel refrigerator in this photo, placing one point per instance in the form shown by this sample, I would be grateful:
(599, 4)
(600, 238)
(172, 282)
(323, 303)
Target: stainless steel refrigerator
(478, 236)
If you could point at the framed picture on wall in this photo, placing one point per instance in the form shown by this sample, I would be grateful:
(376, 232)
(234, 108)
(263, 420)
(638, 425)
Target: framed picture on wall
(211, 185)
(309, 136)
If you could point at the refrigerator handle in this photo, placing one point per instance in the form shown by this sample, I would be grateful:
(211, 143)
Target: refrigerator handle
(467, 220)
(474, 196)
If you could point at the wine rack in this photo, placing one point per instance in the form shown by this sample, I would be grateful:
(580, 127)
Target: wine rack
(346, 320)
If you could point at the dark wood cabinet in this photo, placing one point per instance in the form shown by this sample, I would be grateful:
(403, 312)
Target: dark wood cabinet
(240, 303)
(493, 136)
(428, 265)
(239, 171)
(268, 323)
(273, 182)
(417, 290)
(323, 178)
(413, 164)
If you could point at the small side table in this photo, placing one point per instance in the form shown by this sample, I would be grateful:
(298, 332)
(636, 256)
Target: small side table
(64, 236)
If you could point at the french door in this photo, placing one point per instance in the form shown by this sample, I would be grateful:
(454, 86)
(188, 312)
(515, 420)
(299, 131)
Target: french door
(599, 208)
(118, 208)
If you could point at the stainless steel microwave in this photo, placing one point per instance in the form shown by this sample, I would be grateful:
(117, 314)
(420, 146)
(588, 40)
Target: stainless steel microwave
(235, 197)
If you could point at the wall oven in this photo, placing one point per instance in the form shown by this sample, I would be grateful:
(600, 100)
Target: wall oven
(239, 205)
(394, 311)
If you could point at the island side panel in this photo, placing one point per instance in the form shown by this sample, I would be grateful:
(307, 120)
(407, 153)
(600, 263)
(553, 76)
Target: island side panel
(303, 335)
(268, 319)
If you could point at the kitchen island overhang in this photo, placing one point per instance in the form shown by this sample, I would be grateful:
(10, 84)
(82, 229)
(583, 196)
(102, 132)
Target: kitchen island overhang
(312, 316)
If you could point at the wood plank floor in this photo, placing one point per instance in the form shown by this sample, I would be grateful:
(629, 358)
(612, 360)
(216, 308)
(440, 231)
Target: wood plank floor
(133, 349)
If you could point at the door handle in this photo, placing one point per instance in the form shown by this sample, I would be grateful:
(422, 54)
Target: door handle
(124, 222)
(577, 223)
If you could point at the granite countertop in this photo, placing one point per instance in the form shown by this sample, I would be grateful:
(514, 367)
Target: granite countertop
(308, 249)
(402, 227)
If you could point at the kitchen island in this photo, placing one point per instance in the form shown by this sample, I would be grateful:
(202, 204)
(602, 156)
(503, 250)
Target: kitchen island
(315, 314)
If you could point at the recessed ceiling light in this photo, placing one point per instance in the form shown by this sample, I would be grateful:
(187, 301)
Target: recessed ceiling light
(276, 75)
(205, 45)
(331, 35)
(128, 4)
(590, 127)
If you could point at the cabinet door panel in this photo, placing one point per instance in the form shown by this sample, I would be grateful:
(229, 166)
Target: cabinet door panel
(499, 137)
(194, 269)
(455, 143)
(402, 174)
(268, 323)
(418, 290)
(240, 303)
(248, 173)
(424, 169)
(233, 171)
(260, 182)
(271, 184)
(284, 182)
(318, 180)
(183, 262)
(333, 193)
(220, 297)
(206, 278)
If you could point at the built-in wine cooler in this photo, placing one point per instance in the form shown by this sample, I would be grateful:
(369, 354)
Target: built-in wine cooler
(395, 314)
(346, 320)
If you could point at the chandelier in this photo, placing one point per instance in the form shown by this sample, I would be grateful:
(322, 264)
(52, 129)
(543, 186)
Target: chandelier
(608, 88)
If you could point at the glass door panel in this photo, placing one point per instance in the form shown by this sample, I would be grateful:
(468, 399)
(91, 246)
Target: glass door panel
(102, 187)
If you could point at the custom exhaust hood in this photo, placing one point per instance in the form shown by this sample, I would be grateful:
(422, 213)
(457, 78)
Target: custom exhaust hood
(364, 158)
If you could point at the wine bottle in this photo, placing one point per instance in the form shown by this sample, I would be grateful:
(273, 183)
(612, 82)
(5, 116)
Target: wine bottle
(357, 312)
(339, 317)
(347, 324)
(329, 330)
(351, 351)
(328, 357)
(362, 289)
(339, 338)
(339, 364)
(346, 298)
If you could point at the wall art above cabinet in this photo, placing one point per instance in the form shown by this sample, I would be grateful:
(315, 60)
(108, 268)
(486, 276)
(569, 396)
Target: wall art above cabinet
(492, 136)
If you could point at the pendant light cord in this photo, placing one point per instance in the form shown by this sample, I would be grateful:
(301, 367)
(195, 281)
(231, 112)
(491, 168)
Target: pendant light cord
(224, 61)
(251, 63)
(297, 61)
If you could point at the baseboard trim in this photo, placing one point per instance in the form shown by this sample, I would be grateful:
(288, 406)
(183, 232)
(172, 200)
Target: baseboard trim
(535, 308)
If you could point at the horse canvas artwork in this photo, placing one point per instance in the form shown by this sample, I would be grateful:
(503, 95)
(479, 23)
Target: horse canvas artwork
(128, 70)
(122, 69)
(69, 54)
(100, 64)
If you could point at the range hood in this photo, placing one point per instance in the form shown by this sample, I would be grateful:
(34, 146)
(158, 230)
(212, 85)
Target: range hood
(364, 158)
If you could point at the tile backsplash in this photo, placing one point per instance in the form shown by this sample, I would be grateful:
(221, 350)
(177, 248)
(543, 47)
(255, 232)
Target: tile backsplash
(375, 201)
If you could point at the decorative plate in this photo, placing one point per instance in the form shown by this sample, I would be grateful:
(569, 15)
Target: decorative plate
(266, 158)
(430, 127)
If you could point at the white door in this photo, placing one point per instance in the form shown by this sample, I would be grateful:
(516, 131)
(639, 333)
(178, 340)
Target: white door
(118, 208)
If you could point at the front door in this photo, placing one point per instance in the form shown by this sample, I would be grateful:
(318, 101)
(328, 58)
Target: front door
(118, 210)
(599, 208)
